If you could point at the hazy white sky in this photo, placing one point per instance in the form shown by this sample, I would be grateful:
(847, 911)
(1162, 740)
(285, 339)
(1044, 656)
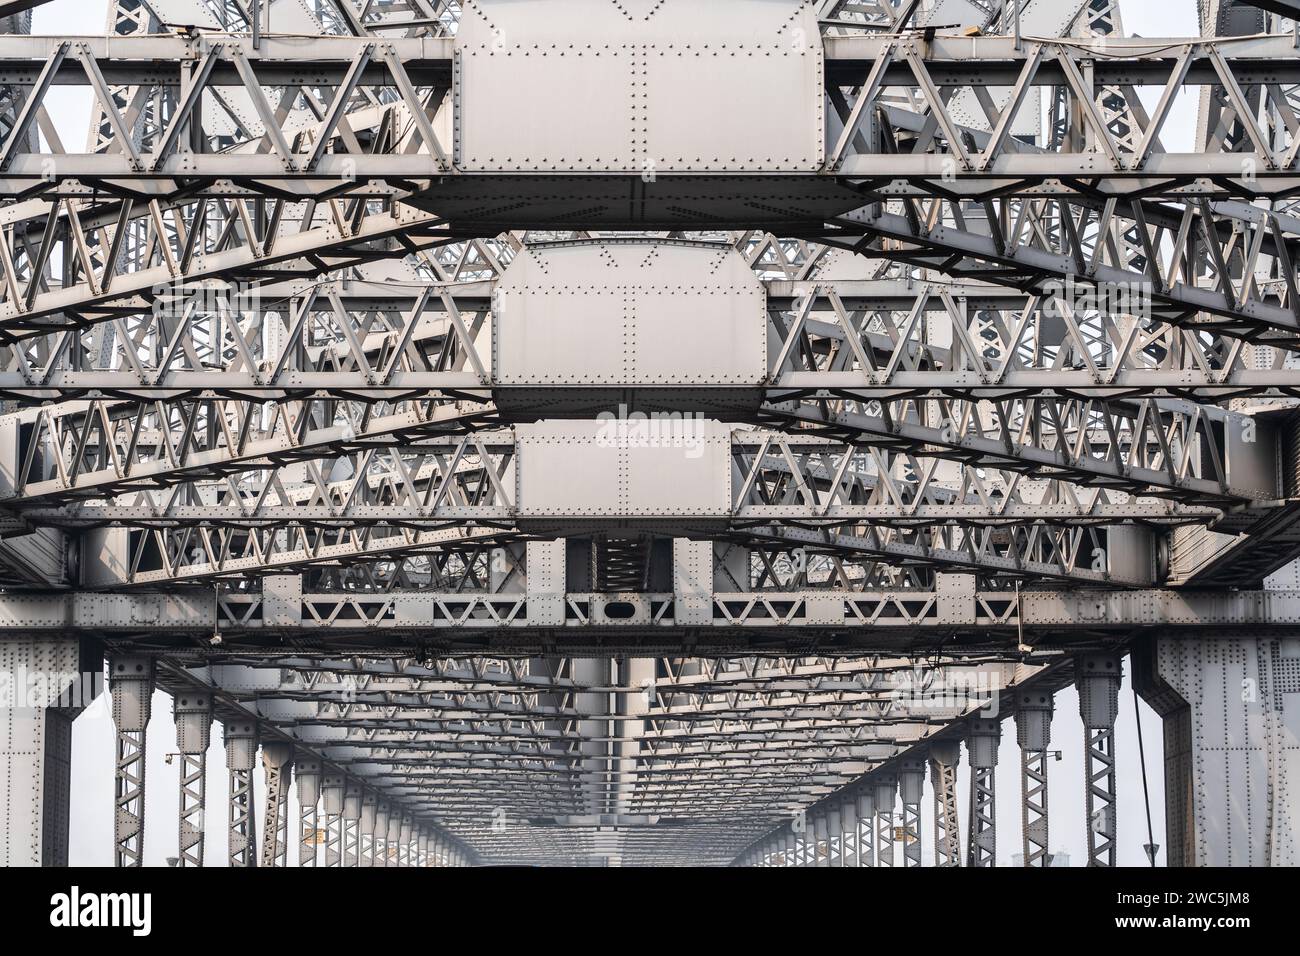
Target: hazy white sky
(93, 738)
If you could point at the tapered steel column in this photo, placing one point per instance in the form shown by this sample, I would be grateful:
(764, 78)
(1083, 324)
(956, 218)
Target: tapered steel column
(1034, 735)
(192, 711)
(885, 786)
(944, 755)
(821, 841)
(366, 829)
(982, 747)
(834, 836)
(849, 823)
(308, 771)
(867, 826)
(911, 785)
(406, 827)
(379, 845)
(130, 681)
(351, 824)
(241, 753)
(1098, 678)
(332, 789)
(277, 770)
(393, 837)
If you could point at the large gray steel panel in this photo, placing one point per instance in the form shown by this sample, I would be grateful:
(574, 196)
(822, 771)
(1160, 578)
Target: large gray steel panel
(1244, 697)
(629, 313)
(643, 91)
(630, 470)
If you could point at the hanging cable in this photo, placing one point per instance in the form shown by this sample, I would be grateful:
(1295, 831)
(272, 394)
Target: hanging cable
(1142, 759)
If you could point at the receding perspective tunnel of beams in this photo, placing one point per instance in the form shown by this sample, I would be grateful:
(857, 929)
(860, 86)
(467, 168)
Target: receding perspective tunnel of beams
(597, 432)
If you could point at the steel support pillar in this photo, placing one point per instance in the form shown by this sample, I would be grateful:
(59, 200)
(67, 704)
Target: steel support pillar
(366, 829)
(1034, 735)
(982, 747)
(867, 826)
(422, 848)
(850, 835)
(1098, 677)
(131, 682)
(1231, 712)
(393, 838)
(277, 771)
(332, 788)
(351, 835)
(308, 773)
(821, 841)
(379, 843)
(886, 791)
(834, 836)
(192, 712)
(911, 786)
(241, 754)
(36, 745)
(405, 851)
(944, 757)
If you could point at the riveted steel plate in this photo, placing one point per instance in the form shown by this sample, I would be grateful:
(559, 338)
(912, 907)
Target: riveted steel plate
(629, 314)
(623, 469)
(642, 91)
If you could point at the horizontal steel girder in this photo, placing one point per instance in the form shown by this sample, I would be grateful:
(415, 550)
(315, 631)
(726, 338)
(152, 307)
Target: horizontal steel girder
(419, 64)
(849, 621)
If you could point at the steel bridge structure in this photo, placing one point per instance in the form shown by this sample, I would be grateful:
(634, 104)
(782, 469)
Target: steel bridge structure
(648, 433)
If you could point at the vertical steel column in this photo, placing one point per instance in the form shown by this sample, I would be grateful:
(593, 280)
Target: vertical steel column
(130, 681)
(405, 829)
(192, 711)
(332, 787)
(982, 745)
(366, 829)
(379, 851)
(834, 836)
(849, 821)
(911, 785)
(277, 770)
(866, 826)
(241, 753)
(352, 824)
(36, 719)
(422, 848)
(1098, 677)
(308, 771)
(885, 787)
(393, 837)
(1034, 735)
(944, 756)
(821, 840)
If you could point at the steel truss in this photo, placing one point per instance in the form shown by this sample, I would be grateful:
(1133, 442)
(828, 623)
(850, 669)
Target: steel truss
(236, 347)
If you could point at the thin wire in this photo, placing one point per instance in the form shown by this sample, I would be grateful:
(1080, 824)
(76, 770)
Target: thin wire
(1142, 758)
